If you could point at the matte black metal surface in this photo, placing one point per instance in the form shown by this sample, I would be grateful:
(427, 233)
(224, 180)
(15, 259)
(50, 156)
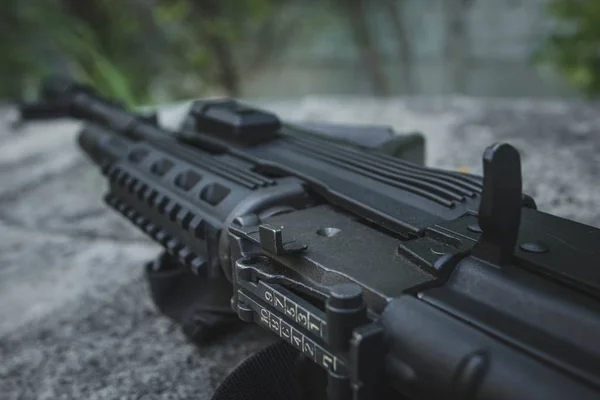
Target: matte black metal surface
(235, 121)
(573, 250)
(501, 203)
(539, 316)
(407, 146)
(370, 136)
(362, 254)
(401, 196)
(433, 355)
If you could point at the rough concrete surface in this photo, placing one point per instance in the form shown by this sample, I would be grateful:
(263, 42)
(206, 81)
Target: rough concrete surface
(76, 320)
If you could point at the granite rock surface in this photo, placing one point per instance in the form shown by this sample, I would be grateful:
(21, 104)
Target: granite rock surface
(76, 320)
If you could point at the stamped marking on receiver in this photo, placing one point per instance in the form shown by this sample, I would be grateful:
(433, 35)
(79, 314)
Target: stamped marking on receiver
(308, 348)
(275, 324)
(279, 302)
(302, 317)
(297, 339)
(290, 308)
(325, 359)
(314, 325)
(264, 317)
(285, 329)
(307, 316)
(268, 297)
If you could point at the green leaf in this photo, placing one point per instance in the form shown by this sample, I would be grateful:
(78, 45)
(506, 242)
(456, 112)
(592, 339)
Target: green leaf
(573, 46)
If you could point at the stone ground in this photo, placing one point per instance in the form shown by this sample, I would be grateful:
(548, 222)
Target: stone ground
(75, 317)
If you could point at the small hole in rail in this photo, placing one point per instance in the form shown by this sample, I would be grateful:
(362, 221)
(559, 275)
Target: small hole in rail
(161, 167)
(186, 180)
(214, 193)
(328, 232)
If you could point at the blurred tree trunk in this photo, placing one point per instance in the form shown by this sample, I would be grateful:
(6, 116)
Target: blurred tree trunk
(93, 15)
(395, 12)
(356, 13)
(273, 37)
(206, 13)
(457, 44)
(227, 74)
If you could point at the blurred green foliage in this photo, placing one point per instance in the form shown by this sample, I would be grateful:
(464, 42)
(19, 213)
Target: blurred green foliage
(87, 40)
(140, 51)
(573, 46)
(156, 51)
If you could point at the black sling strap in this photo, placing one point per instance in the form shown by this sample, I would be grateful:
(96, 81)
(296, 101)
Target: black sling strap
(278, 372)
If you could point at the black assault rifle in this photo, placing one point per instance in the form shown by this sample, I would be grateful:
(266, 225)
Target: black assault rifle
(384, 278)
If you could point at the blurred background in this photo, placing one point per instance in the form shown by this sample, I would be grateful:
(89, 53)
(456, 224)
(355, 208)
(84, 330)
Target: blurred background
(156, 51)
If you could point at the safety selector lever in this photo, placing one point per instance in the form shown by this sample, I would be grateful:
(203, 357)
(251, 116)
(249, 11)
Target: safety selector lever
(339, 336)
